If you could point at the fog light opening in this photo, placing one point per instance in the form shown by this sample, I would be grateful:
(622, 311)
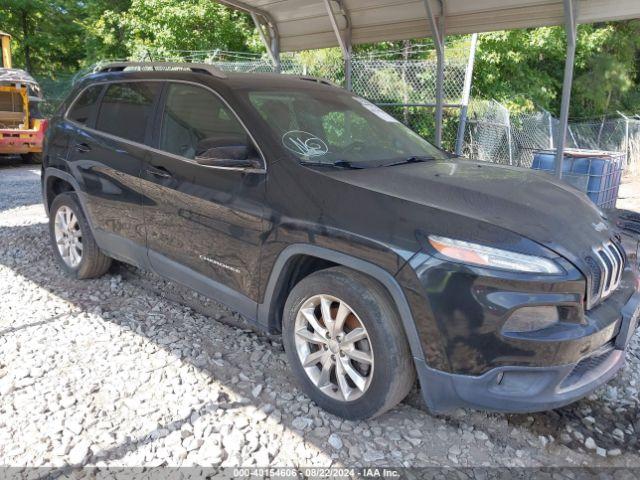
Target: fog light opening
(531, 319)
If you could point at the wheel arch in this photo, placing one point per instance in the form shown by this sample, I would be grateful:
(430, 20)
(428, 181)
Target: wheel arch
(278, 287)
(55, 182)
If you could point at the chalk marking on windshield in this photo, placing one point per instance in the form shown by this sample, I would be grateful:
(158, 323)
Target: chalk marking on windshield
(304, 143)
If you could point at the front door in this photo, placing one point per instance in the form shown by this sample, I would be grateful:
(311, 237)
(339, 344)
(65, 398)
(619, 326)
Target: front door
(204, 223)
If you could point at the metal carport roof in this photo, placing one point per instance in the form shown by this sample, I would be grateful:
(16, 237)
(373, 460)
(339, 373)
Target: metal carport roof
(291, 25)
(304, 24)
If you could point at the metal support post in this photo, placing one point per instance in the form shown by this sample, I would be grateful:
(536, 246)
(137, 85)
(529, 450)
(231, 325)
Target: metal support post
(627, 146)
(275, 51)
(271, 42)
(509, 140)
(550, 126)
(343, 35)
(466, 93)
(570, 27)
(348, 71)
(437, 32)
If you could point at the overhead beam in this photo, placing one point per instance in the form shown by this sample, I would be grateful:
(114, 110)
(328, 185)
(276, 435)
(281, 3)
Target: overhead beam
(343, 36)
(437, 24)
(571, 29)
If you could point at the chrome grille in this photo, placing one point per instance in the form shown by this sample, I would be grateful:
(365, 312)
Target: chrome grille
(607, 266)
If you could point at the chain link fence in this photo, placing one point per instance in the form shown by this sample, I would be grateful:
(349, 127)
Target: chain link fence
(496, 135)
(55, 90)
(487, 133)
(397, 76)
(402, 81)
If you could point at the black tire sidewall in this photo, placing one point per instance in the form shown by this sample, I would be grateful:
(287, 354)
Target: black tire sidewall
(377, 315)
(89, 246)
(31, 158)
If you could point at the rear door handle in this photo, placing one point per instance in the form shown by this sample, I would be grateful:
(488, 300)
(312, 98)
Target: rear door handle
(83, 147)
(159, 172)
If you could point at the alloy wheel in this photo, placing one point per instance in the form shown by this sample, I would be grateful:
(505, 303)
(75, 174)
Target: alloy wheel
(334, 348)
(68, 236)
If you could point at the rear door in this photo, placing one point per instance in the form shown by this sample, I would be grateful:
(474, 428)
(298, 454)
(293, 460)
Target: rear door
(204, 223)
(107, 156)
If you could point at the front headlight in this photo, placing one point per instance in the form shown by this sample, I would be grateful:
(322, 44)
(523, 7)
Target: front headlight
(484, 256)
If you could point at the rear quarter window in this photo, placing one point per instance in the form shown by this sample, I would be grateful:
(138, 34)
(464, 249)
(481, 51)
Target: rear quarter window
(126, 109)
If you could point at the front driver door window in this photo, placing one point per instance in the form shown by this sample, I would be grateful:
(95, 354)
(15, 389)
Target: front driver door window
(204, 223)
(195, 121)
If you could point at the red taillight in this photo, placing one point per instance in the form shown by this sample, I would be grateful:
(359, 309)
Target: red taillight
(44, 124)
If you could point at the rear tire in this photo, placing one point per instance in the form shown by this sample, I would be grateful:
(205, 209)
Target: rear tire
(31, 158)
(352, 379)
(73, 244)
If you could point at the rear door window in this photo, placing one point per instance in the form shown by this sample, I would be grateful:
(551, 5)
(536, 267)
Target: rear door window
(84, 107)
(195, 119)
(127, 108)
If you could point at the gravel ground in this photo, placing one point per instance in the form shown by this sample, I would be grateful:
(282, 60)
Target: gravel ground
(130, 370)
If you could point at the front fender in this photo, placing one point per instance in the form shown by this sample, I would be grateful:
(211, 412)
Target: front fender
(266, 308)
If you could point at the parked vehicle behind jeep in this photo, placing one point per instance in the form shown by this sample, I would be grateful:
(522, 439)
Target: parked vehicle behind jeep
(317, 216)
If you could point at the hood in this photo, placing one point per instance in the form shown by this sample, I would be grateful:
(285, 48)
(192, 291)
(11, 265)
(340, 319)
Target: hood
(529, 203)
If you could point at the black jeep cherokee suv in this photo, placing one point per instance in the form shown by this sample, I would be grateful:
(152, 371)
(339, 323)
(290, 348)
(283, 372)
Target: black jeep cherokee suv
(316, 215)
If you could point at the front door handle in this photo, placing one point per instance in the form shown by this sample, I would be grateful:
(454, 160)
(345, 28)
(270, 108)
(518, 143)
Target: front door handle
(159, 172)
(82, 147)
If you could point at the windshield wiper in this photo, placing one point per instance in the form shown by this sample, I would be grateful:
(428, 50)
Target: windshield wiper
(360, 165)
(413, 159)
(337, 164)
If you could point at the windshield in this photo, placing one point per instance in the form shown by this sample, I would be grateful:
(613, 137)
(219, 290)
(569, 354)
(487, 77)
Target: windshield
(332, 126)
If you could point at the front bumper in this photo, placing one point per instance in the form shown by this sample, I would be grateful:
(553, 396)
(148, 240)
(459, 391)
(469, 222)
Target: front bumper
(519, 389)
(530, 389)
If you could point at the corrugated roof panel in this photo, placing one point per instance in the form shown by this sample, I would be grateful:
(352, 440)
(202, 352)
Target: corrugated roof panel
(303, 24)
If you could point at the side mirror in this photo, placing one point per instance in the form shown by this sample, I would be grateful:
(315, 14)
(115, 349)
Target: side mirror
(232, 156)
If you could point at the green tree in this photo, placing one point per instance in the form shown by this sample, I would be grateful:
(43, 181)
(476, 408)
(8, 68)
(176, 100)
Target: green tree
(523, 68)
(47, 34)
(106, 32)
(607, 81)
(55, 36)
(164, 25)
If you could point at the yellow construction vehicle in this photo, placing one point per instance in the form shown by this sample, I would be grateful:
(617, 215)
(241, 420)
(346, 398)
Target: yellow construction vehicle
(5, 43)
(22, 127)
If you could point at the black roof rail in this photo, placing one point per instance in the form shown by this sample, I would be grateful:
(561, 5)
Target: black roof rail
(194, 67)
(323, 81)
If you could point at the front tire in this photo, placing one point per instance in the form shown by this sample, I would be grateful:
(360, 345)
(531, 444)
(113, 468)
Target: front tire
(73, 244)
(345, 344)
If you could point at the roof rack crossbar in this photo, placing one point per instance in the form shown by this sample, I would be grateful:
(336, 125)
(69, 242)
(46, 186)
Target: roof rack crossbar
(194, 67)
